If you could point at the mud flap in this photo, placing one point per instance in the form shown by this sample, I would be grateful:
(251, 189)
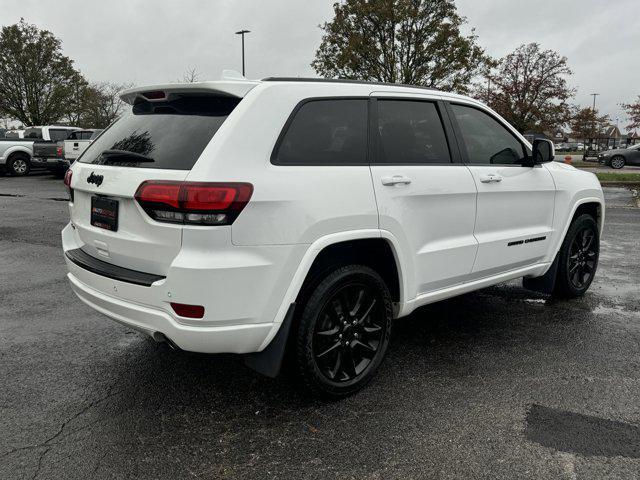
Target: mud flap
(269, 361)
(546, 282)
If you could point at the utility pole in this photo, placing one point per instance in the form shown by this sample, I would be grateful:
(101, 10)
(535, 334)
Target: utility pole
(594, 95)
(242, 33)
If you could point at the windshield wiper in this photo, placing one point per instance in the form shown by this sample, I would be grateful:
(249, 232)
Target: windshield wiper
(124, 156)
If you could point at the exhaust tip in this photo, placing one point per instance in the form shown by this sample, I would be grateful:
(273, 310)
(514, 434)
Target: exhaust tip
(160, 337)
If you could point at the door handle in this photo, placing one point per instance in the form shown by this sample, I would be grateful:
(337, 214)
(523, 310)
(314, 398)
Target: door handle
(490, 178)
(396, 180)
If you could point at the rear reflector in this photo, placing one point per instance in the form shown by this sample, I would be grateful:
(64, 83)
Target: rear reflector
(195, 203)
(188, 311)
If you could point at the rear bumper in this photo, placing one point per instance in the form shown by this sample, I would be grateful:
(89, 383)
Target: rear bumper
(233, 338)
(241, 288)
(50, 163)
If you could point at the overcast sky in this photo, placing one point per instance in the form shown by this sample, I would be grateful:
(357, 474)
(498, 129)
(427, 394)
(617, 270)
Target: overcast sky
(153, 41)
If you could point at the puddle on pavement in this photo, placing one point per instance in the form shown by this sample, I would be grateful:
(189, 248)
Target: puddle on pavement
(539, 301)
(581, 434)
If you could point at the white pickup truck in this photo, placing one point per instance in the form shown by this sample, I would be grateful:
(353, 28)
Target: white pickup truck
(77, 143)
(17, 155)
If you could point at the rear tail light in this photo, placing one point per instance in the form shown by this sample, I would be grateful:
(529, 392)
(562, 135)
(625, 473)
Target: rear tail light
(188, 311)
(59, 151)
(194, 203)
(67, 183)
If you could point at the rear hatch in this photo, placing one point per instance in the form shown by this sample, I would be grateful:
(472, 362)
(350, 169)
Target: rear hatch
(160, 138)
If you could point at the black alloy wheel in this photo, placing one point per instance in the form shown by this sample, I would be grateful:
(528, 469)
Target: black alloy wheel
(583, 256)
(343, 331)
(349, 332)
(578, 258)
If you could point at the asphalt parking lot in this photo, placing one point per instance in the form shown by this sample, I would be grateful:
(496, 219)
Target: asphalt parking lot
(501, 383)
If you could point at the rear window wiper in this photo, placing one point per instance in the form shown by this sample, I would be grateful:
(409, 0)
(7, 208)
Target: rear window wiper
(109, 156)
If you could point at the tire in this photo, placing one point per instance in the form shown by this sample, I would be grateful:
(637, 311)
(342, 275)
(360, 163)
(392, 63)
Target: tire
(578, 258)
(617, 162)
(337, 354)
(19, 165)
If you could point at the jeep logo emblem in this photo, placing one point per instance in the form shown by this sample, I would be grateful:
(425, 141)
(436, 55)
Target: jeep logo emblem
(96, 179)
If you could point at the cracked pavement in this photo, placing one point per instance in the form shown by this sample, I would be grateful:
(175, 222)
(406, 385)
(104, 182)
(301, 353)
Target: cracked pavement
(501, 383)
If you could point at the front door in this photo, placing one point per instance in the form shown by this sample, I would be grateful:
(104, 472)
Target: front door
(514, 217)
(425, 198)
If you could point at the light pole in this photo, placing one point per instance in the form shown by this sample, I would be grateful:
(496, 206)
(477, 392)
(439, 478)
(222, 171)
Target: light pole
(242, 32)
(594, 95)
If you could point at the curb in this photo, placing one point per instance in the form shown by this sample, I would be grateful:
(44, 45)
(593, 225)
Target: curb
(630, 183)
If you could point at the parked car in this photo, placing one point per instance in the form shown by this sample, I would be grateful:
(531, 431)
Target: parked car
(76, 144)
(620, 157)
(47, 148)
(305, 216)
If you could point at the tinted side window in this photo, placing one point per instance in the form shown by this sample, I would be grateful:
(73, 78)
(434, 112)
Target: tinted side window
(325, 132)
(486, 139)
(85, 135)
(411, 132)
(58, 134)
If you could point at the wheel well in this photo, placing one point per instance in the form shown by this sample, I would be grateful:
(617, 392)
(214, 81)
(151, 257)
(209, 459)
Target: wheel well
(19, 154)
(375, 253)
(592, 208)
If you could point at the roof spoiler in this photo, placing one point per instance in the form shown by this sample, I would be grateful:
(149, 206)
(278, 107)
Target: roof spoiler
(236, 88)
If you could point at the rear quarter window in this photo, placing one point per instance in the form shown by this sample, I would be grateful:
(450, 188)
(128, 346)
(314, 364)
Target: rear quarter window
(324, 132)
(172, 134)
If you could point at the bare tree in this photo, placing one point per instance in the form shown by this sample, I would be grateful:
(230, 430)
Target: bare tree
(191, 75)
(96, 105)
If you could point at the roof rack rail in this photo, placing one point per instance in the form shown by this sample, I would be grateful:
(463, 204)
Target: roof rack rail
(344, 80)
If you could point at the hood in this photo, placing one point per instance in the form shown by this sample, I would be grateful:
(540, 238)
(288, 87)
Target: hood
(613, 152)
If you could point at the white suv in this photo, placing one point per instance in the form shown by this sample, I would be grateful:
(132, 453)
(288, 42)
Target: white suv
(258, 217)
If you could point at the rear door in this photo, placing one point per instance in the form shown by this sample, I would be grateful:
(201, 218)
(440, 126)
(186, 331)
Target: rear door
(426, 197)
(165, 139)
(514, 220)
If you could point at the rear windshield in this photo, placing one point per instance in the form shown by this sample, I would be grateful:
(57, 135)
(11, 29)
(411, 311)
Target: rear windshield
(169, 135)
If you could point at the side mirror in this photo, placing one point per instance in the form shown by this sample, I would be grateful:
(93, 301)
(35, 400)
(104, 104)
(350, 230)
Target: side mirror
(542, 151)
